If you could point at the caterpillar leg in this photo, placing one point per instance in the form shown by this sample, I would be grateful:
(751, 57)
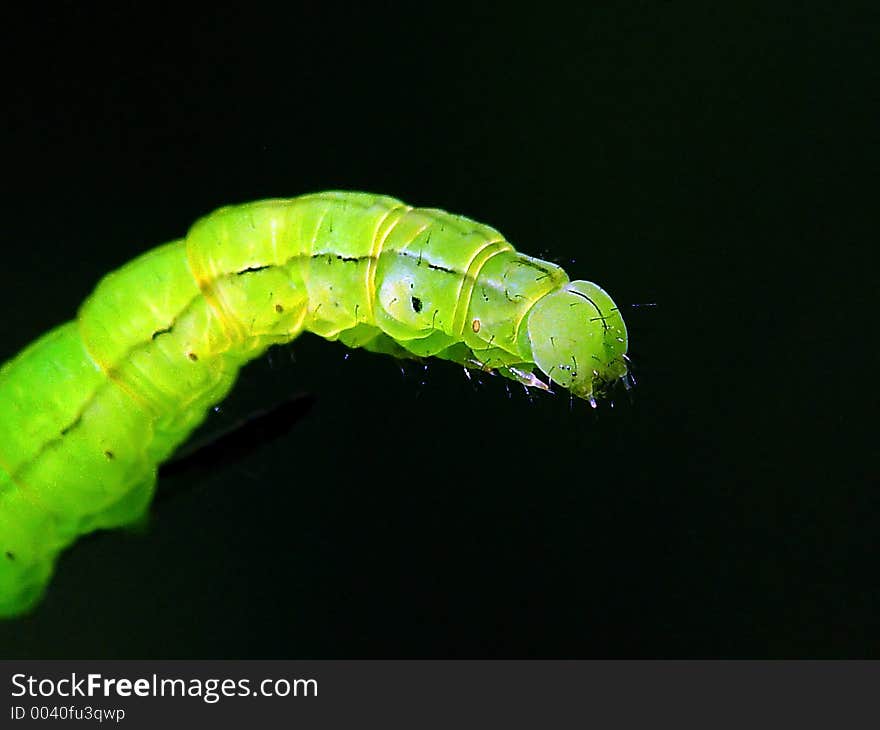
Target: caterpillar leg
(29, 540)
(28, 557)
(131, 510)
(528, 379)
(373, 339)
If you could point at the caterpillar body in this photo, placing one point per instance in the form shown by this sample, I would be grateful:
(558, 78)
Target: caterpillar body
(90, 409)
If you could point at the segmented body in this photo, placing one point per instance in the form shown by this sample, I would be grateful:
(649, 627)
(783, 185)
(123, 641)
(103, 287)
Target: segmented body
(89, 410)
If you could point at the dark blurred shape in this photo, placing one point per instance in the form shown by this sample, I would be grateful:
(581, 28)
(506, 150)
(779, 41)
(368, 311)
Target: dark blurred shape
(234, 442)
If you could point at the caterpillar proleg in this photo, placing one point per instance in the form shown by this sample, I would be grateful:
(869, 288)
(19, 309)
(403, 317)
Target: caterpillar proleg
(90, 409)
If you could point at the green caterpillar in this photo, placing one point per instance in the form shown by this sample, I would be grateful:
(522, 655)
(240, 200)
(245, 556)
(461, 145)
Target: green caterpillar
(90, 409)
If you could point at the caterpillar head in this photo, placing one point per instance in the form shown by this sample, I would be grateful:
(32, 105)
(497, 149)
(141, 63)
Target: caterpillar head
(578, 339)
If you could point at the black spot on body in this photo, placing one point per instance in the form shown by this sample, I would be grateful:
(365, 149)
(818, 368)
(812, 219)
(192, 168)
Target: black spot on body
(10, 555)
(416, 304)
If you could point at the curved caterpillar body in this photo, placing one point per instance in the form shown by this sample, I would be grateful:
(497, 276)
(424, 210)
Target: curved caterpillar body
(90, 409)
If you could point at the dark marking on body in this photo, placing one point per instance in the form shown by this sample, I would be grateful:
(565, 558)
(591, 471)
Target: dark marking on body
(426, 243)
(279, 308)
(162, 332)
(250, 269)
(532, 265)
(10, 555)
(67, 429)
(416, 304)
(192, 356)
(435, 267)
(584, 296)
(545, 273)
(601, 316)
(109, 455)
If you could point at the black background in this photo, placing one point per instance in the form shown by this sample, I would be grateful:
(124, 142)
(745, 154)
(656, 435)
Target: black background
(709, 161)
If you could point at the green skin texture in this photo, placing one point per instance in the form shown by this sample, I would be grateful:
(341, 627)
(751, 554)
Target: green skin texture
(89, 410)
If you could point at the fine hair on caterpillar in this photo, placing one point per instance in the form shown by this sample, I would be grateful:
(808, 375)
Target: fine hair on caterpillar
(90, 409)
